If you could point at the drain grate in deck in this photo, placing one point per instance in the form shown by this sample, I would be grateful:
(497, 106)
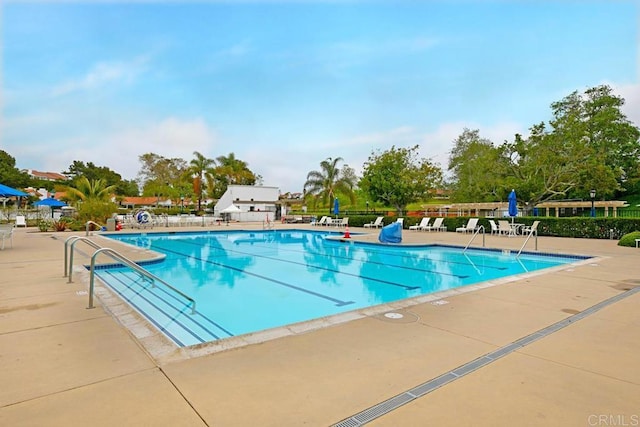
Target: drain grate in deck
(395, 402)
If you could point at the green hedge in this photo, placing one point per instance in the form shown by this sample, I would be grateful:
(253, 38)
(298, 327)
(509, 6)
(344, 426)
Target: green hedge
(577, 227)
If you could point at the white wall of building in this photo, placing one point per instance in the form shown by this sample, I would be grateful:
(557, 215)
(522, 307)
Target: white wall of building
(255, 202)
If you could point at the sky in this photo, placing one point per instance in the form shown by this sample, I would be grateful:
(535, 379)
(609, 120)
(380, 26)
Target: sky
(286, 84)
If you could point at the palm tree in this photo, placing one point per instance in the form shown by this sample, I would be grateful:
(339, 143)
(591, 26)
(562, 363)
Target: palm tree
(199, 166)
(328, 182)
(85, 190)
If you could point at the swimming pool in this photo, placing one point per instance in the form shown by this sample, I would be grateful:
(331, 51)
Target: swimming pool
(248, 281)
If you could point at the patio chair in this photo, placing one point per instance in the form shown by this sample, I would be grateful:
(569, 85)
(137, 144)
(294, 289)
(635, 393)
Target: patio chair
(494, 227)
(342, 222)
(375, 224)
(504, 228)
(530, 229)
(6, 233)
(423, 223)
(21, 221)
(437, 225)
(470, 227)
(321, 221)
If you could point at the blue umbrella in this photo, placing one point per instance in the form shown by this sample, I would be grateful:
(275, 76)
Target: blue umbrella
(513, 204)
(10, 192)
(336, 206)
(50, 202)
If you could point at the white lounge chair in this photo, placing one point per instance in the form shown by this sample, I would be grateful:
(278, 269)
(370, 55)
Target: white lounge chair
(504, 228)
(423, 223)
(341, 222)
(437, 225)
(470, 227)
(21, 221)
(375, 224)
(530, 229)
(6, 233)
(321, 221)
(494, 227)
(401, 221)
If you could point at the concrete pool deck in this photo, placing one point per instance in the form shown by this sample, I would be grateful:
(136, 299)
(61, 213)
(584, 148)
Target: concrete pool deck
(64, 365)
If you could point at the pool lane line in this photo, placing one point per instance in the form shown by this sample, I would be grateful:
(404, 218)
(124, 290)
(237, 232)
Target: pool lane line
(458, 276)
(181, 324)
(191, 317)
(222, 248)
(153, 321)
(401, 399)
(373, 279)
(338, 303)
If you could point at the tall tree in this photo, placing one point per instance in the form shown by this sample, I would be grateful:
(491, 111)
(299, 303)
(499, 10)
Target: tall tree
(594, 122)
(398, 177)
(229, 171)
(9, 174)
(476, 167)
(327, 183)
(85, 190)
(199, 166)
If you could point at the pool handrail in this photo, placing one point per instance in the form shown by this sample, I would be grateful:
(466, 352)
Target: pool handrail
(72, 241)
(478, 229)
(137, 268)
(89, 223)
(531, 233)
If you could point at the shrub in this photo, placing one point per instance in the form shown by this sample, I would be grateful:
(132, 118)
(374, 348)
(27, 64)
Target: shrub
(629, 239)
(59, 225)
(43, 225)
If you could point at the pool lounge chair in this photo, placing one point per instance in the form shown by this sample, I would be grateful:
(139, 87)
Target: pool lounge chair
(494, 227)
(321, 221)
(504, 228)
(375, 224)
(530, 229)
(21, 221)
(437, 225)
(341, 222)
(6, 233)
(423, 223)
(470, 227)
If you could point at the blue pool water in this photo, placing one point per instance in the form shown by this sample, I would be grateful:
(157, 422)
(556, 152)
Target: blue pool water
(250, 281)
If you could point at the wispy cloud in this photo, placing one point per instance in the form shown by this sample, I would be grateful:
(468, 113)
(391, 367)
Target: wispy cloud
(102, 74)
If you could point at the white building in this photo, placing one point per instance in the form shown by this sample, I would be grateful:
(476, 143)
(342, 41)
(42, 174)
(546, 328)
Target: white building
(256, 203)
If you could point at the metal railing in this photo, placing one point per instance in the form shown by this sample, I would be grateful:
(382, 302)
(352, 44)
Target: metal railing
(71, 242)
(89, 223)
(531, 233)
(119, 257)
(478, 229)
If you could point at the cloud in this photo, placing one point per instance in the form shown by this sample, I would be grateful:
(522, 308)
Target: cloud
(119, 151)
(631, 94)
(101, 74)
(287, 168)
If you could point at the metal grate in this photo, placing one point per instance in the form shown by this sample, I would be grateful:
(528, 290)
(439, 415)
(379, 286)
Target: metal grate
(395, 402)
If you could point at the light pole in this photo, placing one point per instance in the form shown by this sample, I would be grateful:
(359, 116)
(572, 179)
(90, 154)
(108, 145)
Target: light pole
(181, 203)
(367, 206)
(592, 193)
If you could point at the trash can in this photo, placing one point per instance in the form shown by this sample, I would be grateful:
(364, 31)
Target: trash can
(111, 224)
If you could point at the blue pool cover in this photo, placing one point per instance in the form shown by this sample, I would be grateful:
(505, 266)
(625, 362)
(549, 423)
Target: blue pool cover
(391, 233)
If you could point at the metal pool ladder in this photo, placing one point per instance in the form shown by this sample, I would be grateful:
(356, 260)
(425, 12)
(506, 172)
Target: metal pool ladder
(478, 229)
(119, 257)
(122, 259)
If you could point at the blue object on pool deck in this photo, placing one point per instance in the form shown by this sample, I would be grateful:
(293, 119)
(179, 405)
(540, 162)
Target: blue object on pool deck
(391, 233)
(336, 206)
(513, 204)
